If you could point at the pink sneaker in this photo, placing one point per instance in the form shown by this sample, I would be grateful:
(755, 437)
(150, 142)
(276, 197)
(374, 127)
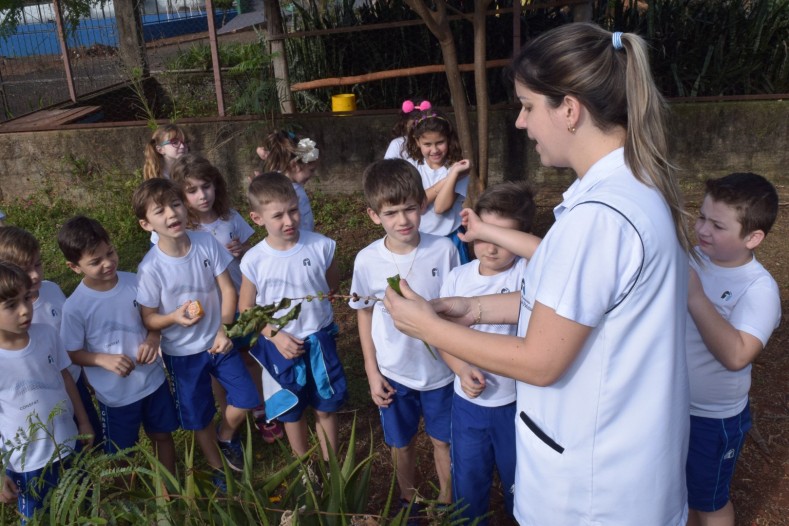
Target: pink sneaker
(271, 431)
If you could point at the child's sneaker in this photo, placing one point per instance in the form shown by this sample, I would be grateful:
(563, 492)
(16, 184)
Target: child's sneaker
(219, 480)
(234, 455)
(270, 432)
(416, 508)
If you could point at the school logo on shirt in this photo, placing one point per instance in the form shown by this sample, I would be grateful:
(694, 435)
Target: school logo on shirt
(726, 296)
(434, 272)
(50, 359)
(136, 305)
(306, 262)
(54, 313)
(206, 263)
(505, 290)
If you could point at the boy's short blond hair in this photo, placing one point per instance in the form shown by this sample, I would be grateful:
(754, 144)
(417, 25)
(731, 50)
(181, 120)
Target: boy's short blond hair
(392, 182)
(270, 187)
(158, 191)
(13, 280)
(18, 246)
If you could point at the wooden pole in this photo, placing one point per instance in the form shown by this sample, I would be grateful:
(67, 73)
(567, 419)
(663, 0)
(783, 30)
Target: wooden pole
(220, 98)
(276, 37)
(64, 48)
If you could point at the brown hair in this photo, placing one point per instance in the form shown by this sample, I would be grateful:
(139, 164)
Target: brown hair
(437, 122)
(511, 200)
(196, 166)
(154, 159)
(391, 182)
(80, 236)
(13, 280)
(18, 246)
(159, 191)
(282, 147)
(270, 187)
(753, 196)
(616, 88)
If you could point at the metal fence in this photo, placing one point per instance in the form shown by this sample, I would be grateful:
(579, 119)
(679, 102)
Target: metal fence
(35, 75)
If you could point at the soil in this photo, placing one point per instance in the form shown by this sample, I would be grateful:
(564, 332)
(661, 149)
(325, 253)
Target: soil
(760, 491)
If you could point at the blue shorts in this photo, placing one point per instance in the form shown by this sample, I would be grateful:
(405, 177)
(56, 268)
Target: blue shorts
(33, 486)
(155, 412)
(462, 246)
(400, 421)
(713, 450)
(191, 378)
(307, 394)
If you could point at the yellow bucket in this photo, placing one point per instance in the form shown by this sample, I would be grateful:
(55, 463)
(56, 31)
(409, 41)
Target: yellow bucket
(343, 102)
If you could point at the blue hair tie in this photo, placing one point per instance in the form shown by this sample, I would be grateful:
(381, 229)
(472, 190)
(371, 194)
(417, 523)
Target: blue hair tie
(616, 39)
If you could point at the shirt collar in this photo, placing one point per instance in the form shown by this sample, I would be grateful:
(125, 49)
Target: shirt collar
(599, 171)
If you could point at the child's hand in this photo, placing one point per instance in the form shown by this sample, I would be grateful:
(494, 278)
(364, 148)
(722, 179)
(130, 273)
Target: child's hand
(472, 381)
(288, 345)
(119, 364)
(88, 434)
(235, 247)
(10, 491)
(472, 223)
(459, 167)
(181, 317)
(222, 343)
(380, 390)
(148, 351)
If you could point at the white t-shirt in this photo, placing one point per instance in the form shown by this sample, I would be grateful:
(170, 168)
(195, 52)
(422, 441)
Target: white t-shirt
(166, 283)
(620, 411)
(400, 357)
(32, 382)
(109, 322)
(48, 309)
(396, 150)
(307, 221)
(226, 231)
(466, 280)
(294, 273)
(446, 223)
(748, 298)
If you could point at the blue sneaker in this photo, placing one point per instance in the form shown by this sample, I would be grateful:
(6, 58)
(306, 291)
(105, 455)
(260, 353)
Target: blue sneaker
(219, 480)
(231, 450)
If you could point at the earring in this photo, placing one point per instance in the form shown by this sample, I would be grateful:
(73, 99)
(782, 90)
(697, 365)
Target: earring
(571, 129)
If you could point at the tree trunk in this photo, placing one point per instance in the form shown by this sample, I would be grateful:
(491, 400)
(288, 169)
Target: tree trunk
(438, 24)
(481, 89)
(276, 38)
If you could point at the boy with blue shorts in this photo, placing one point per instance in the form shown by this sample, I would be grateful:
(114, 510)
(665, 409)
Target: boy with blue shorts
(102, 331)
(300, 363)
(734, 305)
(185, 291)
(483, 408)
(19, 247)
(38, 399)
(406, 382)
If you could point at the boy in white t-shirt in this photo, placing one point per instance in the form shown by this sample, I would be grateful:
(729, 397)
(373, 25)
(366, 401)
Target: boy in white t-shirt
(734, 305)
(406, 382)
(300, 363)
(102, 331)
(483, 409)
(19, 247)
(185, 291)
(38, 398)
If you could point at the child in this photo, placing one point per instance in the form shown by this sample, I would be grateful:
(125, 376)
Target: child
(434, 145)
(38, 398)
(734, 306)
(185, 291)
(408, 113)
(19, 247)
(406, 382)
(166, 146)
(102, 331)
(483, 408)
(290, 263)
(296, 157)
(207, 198)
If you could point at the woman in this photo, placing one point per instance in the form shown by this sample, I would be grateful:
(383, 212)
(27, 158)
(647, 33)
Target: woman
(602, 382)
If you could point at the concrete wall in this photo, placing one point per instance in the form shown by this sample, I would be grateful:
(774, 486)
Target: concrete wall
(708, 140)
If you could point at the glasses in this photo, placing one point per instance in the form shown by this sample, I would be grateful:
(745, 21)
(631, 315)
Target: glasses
(176, 143)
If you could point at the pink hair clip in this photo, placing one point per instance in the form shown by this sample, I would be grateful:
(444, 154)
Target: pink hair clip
(409, 106)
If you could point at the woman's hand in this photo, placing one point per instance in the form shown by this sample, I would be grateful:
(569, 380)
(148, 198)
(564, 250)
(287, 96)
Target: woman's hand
(409, 311)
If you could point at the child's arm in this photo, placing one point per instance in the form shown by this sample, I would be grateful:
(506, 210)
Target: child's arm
(227, 293)
(148, 351)
(380, 390)
(446, 195)
(517, 242)
(285, 343)
(83, 423)
(734, 349)
(119, 364)
(432, 192)
(472, 381)
(154, 321)
(333, 277)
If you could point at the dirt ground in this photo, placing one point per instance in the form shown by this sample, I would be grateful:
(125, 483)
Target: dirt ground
(760, 491)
